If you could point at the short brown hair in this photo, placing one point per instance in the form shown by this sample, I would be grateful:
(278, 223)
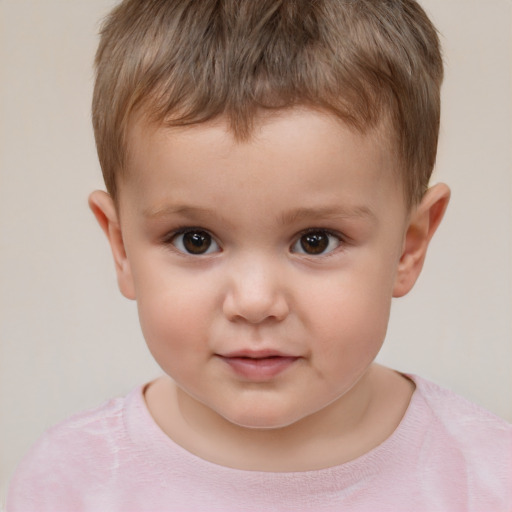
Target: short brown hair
(183, 62)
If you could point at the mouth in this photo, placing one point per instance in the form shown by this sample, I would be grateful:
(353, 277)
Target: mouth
(258, 365)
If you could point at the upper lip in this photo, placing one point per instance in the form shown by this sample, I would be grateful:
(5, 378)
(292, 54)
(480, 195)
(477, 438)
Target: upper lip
(255, 354)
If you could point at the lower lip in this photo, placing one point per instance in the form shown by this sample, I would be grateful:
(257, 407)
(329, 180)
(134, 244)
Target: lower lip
(259, 369)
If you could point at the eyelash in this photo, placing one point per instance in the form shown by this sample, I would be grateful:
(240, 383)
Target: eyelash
(171, 238)
(340, 241)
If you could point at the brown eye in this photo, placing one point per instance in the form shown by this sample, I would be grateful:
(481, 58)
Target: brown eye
(316, 242)
(195, 242)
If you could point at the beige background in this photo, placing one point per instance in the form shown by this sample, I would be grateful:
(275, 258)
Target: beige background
(69, 340)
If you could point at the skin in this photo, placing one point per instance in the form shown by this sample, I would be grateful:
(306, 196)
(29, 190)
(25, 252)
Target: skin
(261, 286)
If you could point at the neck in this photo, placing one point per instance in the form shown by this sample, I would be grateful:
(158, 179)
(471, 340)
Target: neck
(344, 430)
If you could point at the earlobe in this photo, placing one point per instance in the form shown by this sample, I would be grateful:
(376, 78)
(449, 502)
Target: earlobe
(106, 214)
(424, 221)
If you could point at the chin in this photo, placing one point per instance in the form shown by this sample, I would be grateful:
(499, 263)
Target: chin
(260, 419)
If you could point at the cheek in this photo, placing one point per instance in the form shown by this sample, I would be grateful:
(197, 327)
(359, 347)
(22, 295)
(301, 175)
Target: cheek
(350, 314)
(174, 316)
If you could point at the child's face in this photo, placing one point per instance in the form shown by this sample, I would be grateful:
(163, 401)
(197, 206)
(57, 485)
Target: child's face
(263, 271)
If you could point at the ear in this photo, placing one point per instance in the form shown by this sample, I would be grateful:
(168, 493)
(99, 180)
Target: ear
(422, 225)
(106, 214)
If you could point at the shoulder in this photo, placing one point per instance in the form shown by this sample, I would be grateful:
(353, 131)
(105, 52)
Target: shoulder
(75, 452)
(460, 416)
(90, 430)
(466, 440)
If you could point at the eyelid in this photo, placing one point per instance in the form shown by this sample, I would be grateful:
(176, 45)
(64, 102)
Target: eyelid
(169, 238)
(328, 231)
(342, 240)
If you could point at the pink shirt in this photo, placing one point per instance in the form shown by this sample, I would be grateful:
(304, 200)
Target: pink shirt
(446, 455)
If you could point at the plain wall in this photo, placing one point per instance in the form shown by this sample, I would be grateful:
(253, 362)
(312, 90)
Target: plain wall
(68, 338)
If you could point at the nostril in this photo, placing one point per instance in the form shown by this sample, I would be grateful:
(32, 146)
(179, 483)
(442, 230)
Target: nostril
(255, 309)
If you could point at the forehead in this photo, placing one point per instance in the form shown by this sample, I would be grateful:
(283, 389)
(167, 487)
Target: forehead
(284, 148)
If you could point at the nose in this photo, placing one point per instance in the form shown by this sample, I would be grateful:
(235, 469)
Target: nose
(256, 293)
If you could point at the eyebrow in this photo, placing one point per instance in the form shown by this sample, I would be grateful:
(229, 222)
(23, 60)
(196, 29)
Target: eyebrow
(291, 217)
(192, 213)
(327, 212)
(166, 211)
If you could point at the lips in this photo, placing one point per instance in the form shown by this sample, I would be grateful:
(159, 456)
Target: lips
(258, 365)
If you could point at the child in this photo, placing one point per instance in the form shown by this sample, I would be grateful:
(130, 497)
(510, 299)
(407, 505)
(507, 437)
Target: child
(267, 165)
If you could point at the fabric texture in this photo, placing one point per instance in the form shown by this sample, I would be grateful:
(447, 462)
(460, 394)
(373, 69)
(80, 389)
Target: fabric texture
(447, 454)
